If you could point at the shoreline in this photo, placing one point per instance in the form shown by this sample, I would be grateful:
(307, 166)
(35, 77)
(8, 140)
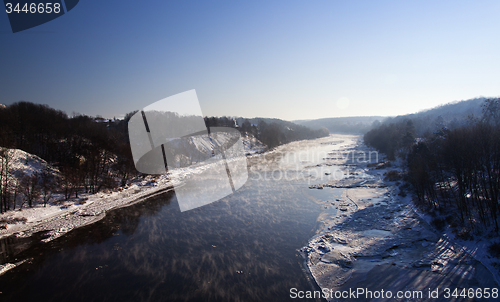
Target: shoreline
(382, 242)
(76, 216)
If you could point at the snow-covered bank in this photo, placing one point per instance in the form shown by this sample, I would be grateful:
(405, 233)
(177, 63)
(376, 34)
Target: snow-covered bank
(57, 220)
(377, 241)
(87, 205)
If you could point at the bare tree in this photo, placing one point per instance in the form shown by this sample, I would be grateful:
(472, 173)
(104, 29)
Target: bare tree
(30, 188)
(5, 159)
(71, 181)
(491, 111)
(15, 188)
(47, 186)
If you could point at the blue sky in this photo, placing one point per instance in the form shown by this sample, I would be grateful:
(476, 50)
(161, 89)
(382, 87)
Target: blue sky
(284, 59)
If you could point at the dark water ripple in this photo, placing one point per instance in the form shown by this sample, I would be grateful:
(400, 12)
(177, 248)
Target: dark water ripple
(241, 248)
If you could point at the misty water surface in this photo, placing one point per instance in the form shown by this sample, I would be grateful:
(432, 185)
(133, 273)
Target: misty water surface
(241, 248)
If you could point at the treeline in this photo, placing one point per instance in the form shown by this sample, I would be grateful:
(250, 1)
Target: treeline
(344, 125)
(452, 115)
(91, 153)
(451, 170)
(272, 133)
(392, 139)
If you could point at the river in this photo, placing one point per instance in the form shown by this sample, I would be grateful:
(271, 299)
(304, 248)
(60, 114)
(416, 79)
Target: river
(243, 247)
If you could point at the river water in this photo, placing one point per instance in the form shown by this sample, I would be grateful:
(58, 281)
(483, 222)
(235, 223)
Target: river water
(241, 248)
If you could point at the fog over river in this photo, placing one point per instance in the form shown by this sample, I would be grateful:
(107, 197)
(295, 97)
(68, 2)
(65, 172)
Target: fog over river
(241, 248)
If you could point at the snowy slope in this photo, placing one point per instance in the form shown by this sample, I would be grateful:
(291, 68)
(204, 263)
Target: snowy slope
(24, 163)
(206, 144)
(252, 145)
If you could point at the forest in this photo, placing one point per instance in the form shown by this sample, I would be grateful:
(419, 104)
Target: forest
(343, 125)
(454, 169)
(271, 132)
(91, 153)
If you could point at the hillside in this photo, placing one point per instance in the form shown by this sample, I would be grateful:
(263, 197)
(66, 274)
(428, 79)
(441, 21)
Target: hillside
(23, 163)
(451, 115)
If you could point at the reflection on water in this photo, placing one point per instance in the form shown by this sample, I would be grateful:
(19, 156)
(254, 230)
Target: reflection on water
(241, 248)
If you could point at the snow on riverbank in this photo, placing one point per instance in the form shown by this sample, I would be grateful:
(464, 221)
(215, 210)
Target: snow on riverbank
(377, 241)
(59, 218)
(23, 163)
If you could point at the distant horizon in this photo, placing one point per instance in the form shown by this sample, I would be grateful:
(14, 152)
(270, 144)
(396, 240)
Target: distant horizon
(119, 117)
